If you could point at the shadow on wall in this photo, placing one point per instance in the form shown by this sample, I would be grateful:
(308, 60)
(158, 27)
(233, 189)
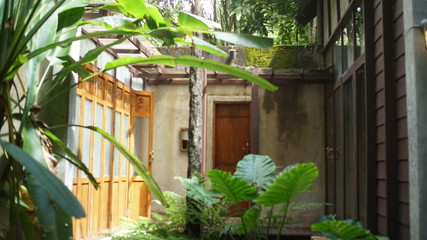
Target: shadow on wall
(290, 108)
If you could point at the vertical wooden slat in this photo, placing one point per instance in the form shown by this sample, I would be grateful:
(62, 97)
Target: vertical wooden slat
(390, 120)
(371, 153)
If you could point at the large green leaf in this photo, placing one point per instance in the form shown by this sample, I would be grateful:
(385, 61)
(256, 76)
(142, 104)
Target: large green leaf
(73, 158)
(155, 19)
(205, 46)
(51, 184)
(167, 35)
(257, 170)
(194, 21)
(67, 22)
(336, 230)
(193, 62)
(290, 184)
(136, 8)
(32, 143)
(245, 39)
(234, 189)
(45, 206)
(250, 220)
(197, 191)
(43, 31)
(136, 163)
(85, 36)
(110, 22)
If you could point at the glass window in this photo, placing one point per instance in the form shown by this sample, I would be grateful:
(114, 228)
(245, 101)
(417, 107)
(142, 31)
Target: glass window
(339, 184)
(343, 7)
(117, 136)
(109, 130)
(326, 32)
(359, 27)
(349, 158)
(334, 14)
(361, 141)
(76, 130)
(86, 133)
(98, 142)
(125, 143)
(348, 46)
(337, 59)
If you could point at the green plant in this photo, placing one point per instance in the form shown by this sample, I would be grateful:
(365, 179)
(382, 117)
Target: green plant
(255, 181)
(162, 225)
(348, 229)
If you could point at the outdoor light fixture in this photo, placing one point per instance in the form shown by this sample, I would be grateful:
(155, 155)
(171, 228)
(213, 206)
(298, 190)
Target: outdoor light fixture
(183, 138)
(423, 27)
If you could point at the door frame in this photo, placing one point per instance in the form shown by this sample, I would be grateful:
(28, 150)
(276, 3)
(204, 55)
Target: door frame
(210, 122)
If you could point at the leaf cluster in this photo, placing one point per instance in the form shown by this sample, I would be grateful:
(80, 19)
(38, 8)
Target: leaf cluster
(343, 229)
(253, 181)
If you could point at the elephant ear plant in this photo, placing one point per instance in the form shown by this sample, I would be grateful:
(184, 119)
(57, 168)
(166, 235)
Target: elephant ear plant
(347, 229)
(255, 181)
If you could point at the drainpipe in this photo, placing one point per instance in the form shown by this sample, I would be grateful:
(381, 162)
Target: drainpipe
(416, 89)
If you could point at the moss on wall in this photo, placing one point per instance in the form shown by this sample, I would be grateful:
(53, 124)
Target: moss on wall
(283, 57)
(279, 57)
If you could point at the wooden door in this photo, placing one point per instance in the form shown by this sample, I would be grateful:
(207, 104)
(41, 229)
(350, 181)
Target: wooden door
(231, 134)
(107, 104)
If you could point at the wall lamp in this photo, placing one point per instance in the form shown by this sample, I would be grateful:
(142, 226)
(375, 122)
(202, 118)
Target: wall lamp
(423, 27)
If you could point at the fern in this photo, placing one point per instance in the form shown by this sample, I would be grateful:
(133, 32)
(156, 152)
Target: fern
(305, 206)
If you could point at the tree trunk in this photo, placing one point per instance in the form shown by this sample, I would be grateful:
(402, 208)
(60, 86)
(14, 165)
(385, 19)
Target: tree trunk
(195, 120)
(195, 132)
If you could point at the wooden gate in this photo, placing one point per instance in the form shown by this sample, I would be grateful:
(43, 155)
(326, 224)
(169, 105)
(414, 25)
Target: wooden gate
(108, 104)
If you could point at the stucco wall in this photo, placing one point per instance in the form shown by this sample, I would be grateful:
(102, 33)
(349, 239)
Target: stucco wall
(291, 130)
(170, 115)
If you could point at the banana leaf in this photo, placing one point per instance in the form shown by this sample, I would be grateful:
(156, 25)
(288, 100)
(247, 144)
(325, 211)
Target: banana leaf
(193, 62)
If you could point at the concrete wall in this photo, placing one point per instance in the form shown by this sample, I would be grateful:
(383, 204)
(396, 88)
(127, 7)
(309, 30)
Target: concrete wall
(291, 130)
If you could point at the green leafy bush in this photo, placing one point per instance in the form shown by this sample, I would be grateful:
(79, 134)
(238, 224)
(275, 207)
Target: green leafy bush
(163, 225)
(254, 181)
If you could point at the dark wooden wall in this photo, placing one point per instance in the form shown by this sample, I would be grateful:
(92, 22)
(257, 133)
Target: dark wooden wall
(392, 196)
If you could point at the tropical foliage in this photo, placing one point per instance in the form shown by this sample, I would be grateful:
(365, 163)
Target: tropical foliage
(344, 229)
(254, 181)
(264, 18)
(35, 36)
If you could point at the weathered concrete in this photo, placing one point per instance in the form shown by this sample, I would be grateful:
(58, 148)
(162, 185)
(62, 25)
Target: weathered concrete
(170, 115)
(416, 88)
(291, 131)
